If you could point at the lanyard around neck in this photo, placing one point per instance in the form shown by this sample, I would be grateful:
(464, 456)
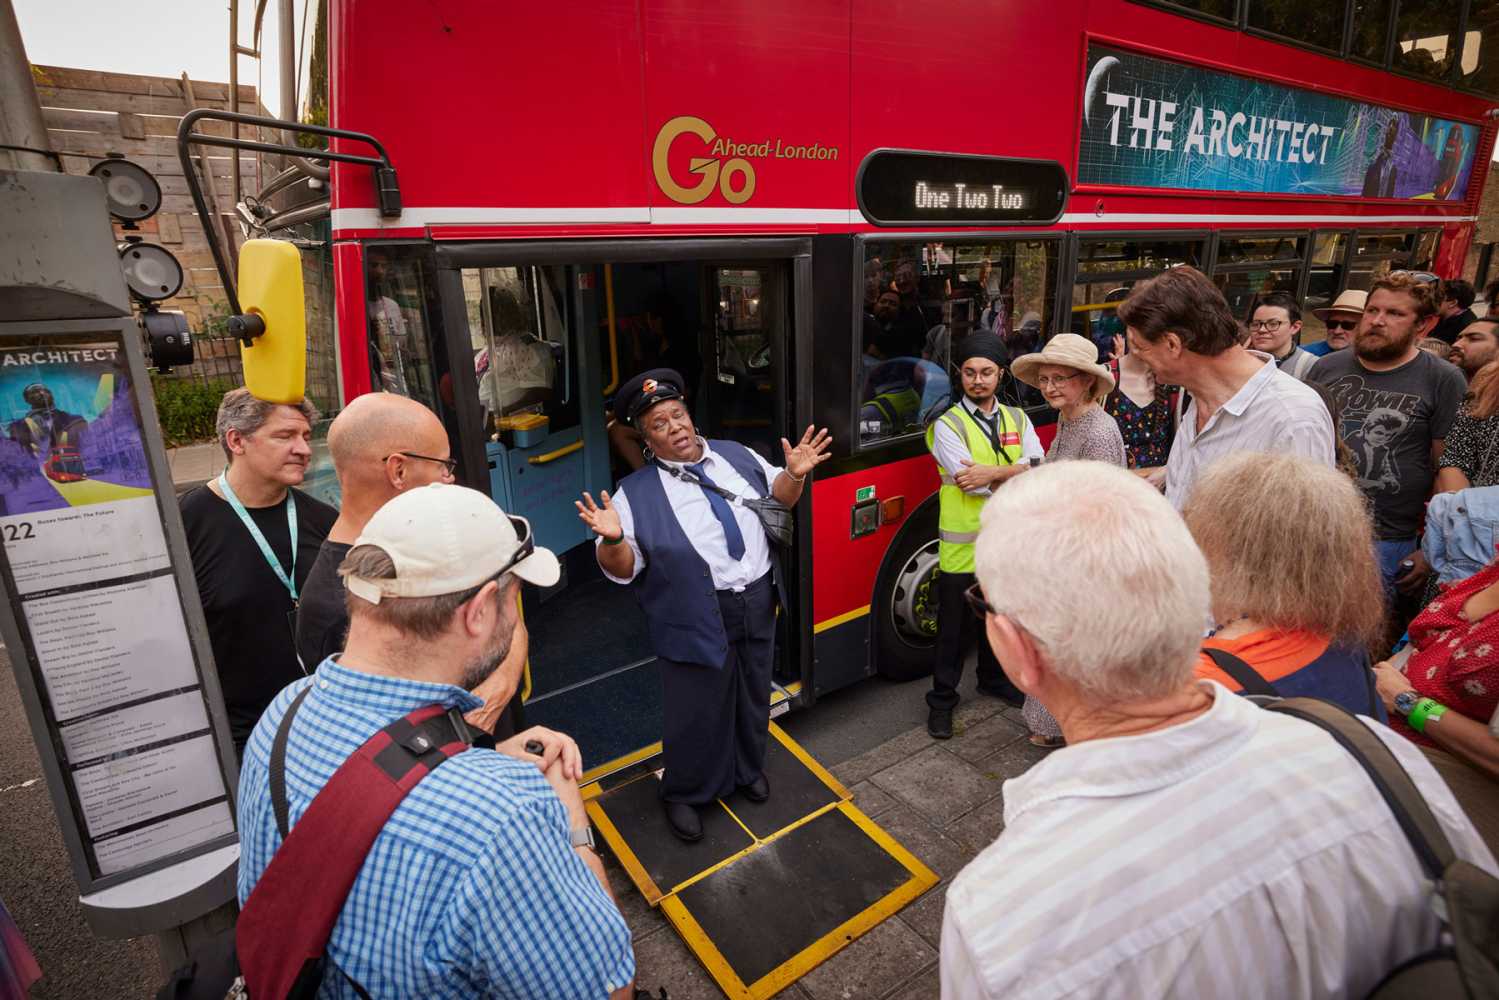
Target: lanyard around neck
(288, 580)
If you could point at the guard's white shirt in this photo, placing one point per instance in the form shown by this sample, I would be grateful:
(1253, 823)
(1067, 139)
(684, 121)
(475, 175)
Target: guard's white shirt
(951, 452)
(690, 505)
(1241, 854)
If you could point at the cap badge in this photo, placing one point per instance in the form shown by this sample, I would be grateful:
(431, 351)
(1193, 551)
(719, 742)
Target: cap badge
(648, 386)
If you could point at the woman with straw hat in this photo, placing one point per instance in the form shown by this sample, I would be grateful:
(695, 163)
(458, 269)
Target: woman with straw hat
(1069, 376)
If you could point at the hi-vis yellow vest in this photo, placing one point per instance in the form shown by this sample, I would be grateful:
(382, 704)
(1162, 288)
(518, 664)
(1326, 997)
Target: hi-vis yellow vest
(958, 512)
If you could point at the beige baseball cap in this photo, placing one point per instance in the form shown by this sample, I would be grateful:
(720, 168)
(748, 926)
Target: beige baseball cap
(445, 539)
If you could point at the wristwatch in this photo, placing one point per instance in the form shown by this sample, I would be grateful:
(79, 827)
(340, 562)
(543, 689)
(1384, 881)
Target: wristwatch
(1405, 701)
(583, 837)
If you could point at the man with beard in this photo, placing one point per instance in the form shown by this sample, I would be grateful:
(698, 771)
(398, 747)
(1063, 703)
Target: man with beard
(1476, 346)
(484, 881)
(1386, 376)
(47, 432)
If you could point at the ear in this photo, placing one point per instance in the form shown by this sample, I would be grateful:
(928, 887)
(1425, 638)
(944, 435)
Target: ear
(1427, 325)
(395, 472)
(1014, 648)
(1173, 343)
(476, 613)
(235, 441)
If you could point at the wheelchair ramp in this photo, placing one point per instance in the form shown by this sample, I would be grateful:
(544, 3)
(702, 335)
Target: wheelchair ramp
(773, 888)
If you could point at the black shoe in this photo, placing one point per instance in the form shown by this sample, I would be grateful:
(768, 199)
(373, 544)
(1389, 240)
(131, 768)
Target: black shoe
(939, 723)
(1010, 696)
(684, 820)
(757, 790)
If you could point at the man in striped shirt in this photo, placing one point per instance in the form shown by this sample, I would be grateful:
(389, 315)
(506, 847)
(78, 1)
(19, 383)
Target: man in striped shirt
(1185, 843)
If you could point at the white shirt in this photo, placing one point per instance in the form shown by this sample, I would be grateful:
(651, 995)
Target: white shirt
(1273, 412)
(690, 505)
(1241, 854)
(951, 452)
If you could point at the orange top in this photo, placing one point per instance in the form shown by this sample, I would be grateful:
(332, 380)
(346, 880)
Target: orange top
(1272, 653)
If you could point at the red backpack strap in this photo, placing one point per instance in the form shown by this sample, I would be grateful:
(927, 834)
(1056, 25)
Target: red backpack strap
(284, 927)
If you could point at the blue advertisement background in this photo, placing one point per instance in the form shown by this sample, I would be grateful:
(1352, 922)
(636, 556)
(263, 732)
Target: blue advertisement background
(1427, 158)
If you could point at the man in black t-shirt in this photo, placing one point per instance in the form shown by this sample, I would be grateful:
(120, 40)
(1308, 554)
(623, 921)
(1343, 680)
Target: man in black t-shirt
(239, 534)
(382, 445)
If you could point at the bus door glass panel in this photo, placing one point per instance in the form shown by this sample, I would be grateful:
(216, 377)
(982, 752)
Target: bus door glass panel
(1376, 255)
(1106, 271)
(1250, 266)
(1479, 62)
(1426, 37)
(1424, 255)
(408, 355)
(740, 391)
(909, 328)
(1324, 282)
(521, 332)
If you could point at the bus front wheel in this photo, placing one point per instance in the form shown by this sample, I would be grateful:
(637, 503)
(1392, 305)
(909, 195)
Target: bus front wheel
(905, 605)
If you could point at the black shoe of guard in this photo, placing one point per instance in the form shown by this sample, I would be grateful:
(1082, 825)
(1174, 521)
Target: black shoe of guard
(684, 820)
(939, 723)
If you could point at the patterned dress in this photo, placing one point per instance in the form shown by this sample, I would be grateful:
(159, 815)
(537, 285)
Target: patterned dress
(1147, 430)
(1456, 661)
(1473, 448)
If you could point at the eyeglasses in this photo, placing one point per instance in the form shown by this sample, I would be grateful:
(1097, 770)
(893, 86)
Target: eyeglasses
(447, 463)
(1341, 324)
(1268, 325)
(974, 595)
(525, 544)
(1047, 381)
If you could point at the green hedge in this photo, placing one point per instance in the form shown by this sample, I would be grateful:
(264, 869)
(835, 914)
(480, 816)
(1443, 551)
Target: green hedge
(186, 408)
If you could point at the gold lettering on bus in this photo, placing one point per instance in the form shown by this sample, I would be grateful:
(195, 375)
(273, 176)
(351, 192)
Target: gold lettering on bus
(733, 177)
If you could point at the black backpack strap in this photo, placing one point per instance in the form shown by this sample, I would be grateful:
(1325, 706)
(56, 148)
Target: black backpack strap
(1426, 836)
(1243, 674)
(278, 764)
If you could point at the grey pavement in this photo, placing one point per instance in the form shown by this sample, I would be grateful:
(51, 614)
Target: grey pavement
(193, 465)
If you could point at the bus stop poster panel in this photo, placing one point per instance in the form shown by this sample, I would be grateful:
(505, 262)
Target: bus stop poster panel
(91, 585)
(1159, 124)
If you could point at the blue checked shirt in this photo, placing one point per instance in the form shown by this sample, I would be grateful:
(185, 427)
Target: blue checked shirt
(470, 890)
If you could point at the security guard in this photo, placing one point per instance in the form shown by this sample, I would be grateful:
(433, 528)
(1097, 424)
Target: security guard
(978, 443)
(701, 568)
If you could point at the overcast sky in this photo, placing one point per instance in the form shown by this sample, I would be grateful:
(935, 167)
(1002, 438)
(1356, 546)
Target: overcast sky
(148, 37)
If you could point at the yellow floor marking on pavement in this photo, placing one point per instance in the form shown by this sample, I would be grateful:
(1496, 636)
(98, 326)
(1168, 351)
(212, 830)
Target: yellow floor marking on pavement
(91, 491)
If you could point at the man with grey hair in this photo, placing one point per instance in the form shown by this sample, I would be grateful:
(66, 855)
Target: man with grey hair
(253, 539)
(1185, 843)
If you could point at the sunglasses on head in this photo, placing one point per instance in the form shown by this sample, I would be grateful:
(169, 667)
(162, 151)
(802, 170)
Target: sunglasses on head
(525, 544)
(974, 595)
(1425, 277)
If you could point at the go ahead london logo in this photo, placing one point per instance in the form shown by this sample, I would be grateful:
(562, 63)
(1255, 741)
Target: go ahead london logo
(717, 163)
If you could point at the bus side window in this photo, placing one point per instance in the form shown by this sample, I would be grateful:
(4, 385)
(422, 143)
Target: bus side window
(400, 299)
(518, 333)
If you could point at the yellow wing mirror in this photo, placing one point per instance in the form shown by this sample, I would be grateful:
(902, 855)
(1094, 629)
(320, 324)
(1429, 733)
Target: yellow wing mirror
(272, 327)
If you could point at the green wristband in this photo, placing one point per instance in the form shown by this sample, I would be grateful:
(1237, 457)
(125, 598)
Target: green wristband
(614, 541)
(1426, 710)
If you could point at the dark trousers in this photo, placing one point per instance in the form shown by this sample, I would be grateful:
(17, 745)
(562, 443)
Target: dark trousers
(717, 718)
(958, 628)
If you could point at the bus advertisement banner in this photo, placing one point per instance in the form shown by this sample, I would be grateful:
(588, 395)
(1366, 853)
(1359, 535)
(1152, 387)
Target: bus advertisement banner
(1157, 124)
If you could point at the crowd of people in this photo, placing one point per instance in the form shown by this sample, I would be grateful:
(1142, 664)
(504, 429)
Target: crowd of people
(1257, 518)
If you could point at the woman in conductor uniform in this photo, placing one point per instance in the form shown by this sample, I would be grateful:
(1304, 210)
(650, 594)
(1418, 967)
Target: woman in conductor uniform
(701, 568)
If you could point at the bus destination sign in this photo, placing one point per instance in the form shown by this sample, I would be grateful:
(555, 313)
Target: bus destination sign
(900, 187)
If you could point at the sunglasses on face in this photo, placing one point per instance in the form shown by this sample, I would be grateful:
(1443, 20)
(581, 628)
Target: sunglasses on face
(447, 463)
(974, 595)
(1342, 324)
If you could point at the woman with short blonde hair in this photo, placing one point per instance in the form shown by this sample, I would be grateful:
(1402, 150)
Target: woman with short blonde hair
(1295, 586)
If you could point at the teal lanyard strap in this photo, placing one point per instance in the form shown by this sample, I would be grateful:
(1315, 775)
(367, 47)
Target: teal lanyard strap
(289, 581)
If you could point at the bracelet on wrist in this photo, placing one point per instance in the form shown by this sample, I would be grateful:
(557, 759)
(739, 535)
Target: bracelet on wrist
(613, 541)
(1426, 710)
(793, 477)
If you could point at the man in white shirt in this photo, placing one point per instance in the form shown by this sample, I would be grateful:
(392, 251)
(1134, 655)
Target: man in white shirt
(701, 566)
(1180, 325)
(1185, 842)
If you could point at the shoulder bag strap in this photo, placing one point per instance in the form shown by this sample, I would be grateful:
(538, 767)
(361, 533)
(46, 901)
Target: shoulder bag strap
(278, 763)
(688, 477)
(1243, 674)
(1426, 836)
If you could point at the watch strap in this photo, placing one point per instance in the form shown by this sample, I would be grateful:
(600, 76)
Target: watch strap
(583, 837)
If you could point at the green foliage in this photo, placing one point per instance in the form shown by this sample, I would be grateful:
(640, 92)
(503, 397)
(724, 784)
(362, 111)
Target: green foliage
(186, 407)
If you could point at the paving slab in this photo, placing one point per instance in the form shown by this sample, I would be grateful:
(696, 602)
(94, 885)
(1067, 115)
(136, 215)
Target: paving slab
(1012, 760)
(894, 751)
(925, 915)
(942, 786)
(916, 834)
(871, 965)
(985, 737)
(872, 799)
(927, 985)
(663, 960)
(975, 708)
(981, 827)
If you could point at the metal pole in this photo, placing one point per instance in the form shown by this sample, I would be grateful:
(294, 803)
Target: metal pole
(288, 56)
(21, 122)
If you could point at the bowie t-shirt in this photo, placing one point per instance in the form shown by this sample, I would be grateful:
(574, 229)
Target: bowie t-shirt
(1390, 420)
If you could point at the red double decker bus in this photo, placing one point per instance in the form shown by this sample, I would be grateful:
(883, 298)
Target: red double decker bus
(801, 206)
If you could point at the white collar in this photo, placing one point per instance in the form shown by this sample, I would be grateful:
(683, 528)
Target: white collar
(707, 453)
(1239, 401)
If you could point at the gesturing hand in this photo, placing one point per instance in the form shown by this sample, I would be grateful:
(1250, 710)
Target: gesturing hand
(810, 452)
(602, 521)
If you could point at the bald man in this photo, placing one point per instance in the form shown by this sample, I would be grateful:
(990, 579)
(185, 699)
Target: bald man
(382, 445)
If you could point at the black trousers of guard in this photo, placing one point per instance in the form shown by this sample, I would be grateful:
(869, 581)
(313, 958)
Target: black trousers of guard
(957, 629)
(717, 718)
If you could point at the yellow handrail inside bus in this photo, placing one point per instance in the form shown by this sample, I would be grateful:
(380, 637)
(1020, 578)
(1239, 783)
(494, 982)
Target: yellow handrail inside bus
(613, 333)
(552, 456)
(1096, 305)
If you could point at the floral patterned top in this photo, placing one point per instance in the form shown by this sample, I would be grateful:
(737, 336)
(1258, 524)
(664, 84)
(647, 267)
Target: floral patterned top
(1471, 448)
(1456, 661)
(1092, 435)
(1147, 430)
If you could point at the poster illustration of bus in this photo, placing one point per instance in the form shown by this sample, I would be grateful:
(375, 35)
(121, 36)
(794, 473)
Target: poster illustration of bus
(69, 435)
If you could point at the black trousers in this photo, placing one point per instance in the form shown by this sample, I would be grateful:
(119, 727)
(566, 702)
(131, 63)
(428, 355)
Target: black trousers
(717, 718)
(957, 629)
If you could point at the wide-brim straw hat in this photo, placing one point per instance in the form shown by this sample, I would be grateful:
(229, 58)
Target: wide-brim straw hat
(1349, 300)
(1070, 351)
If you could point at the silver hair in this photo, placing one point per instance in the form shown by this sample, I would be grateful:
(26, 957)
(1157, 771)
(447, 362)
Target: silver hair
(1101, 572)
(240, 411)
